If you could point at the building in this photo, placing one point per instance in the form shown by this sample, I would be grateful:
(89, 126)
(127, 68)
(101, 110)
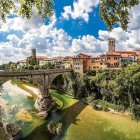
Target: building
(108, 60)
(32, 60)
(138, 55)
(42, 60)
(111, 59)
(21, 63)
(68, 61)
(81, 63)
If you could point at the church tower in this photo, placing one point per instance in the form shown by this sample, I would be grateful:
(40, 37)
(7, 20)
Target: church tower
(111, 45)
(33, 53)
(33, 60)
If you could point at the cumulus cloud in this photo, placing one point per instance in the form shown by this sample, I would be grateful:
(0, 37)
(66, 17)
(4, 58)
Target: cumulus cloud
(134, 18)
(51, 41)
(125, 40)
(87, 44)
(80, 9)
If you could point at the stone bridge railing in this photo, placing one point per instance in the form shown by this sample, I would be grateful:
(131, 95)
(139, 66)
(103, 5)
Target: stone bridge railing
(33, 72)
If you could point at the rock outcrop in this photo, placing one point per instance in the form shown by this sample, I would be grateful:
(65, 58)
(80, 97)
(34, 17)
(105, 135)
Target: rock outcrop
(2, 113)
(43, 114)
(10, 132)
(55, 128)
(44, 103)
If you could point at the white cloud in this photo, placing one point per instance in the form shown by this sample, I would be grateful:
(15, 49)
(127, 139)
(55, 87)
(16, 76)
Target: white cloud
(50, 41)
(80, 9)
(135, 18)
(87, 44)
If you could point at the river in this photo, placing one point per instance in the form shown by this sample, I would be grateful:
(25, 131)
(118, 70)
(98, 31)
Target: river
(80, 122)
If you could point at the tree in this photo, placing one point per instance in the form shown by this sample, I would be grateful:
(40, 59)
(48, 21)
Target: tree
(128, 88)
(36, 67)
(31, 67)
(116, 11)
(33, 61)
(26, 8)
(49, 65)
(12, 67)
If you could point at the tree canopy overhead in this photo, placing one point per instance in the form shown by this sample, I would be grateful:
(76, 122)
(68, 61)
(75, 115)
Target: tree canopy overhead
(116, 11)
(26, 8)
(111, 11)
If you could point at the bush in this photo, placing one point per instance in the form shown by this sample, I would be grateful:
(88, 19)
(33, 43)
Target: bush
(89, 99)
(135, 112)
(105, 105)
(36, 67)
(30, 67)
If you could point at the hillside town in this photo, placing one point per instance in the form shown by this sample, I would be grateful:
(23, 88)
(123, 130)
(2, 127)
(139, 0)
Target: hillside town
(82, 63)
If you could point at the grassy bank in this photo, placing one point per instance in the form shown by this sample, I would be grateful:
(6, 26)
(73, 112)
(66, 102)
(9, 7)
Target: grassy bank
(65, 98)
(89, 124)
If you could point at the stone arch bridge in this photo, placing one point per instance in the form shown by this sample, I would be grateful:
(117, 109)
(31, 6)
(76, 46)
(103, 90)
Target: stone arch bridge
(42, 78)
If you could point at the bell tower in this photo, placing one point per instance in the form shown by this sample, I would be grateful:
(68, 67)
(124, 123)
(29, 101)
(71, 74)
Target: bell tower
(33, 53)
(33, 60)
(111, 44)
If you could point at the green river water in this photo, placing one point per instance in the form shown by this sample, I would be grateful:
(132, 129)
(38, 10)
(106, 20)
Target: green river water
(80, 122)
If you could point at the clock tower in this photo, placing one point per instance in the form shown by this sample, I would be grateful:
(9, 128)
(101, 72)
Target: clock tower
(111, 45)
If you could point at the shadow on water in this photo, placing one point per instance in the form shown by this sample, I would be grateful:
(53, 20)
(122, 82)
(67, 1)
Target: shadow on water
(66, 116)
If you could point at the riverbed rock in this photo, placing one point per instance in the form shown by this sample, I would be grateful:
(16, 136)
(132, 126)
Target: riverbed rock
(112, 111)
(44, 103)
(24, 115)
(14, 109)
(2, 113)
(10, 132)
(43, 114)
(13, 129)
(55, 128)
(98, 107)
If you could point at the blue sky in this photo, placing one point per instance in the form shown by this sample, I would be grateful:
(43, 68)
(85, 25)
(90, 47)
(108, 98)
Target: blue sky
(78, 27)
(75, 27)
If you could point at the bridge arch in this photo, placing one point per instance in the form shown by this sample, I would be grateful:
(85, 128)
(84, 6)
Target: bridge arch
(43, 79)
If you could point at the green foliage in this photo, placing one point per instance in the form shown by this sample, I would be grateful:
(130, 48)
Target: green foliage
(116, 11)
(32, 61)
(105, 105)
(36, 67)
(5, 8)
(11, 66)
(26, 8)
(135, 112)
(125, 63)
(89, 99)
(48, 65)
(31, 67)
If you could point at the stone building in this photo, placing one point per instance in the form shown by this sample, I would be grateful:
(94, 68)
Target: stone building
(32, 60)
(81, 63)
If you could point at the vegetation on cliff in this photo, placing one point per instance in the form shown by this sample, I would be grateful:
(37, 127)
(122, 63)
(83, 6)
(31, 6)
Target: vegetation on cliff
(118, 89)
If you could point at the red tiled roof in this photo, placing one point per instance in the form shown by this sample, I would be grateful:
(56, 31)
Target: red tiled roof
(42, 57)
(22, 61)
(128, 52)
(83, 54)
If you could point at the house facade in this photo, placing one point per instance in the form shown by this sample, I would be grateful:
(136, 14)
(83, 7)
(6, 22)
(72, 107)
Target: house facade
(81, 63)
